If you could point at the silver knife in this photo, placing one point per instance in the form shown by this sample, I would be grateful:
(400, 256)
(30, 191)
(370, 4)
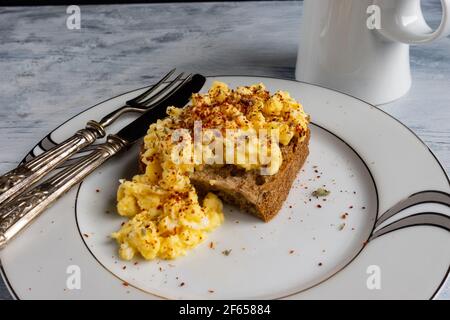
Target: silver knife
(20, 212)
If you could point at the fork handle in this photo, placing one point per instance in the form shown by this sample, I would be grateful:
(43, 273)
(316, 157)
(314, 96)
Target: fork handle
(25, 175)
(21, 211)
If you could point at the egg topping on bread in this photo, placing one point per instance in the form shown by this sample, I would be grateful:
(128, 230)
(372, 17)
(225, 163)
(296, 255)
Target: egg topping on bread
(166, 216)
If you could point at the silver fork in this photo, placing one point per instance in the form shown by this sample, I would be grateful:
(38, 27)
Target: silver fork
(27, 174)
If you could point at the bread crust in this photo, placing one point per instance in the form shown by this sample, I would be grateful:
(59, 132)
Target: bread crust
(262, 196)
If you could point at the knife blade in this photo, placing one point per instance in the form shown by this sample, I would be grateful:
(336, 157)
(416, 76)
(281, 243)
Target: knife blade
(138, 128)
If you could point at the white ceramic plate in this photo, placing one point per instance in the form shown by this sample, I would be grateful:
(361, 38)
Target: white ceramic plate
(366, 158)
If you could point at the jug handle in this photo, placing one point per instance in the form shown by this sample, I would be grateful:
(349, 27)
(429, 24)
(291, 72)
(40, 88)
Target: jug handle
(410, 27)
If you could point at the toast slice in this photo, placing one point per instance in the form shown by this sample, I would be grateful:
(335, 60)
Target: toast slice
(262, 196)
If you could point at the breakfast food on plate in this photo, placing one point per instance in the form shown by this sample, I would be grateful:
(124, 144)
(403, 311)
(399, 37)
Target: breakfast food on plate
(244, 146)
(257, 194)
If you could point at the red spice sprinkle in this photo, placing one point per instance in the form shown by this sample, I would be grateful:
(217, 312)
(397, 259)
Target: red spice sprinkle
(125, 284)
(319, 206)
(211, 245)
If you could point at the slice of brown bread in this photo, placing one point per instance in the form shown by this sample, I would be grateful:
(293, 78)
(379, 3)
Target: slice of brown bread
(262, 196)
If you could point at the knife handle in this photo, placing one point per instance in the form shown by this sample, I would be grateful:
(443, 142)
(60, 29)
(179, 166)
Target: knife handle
(21, 211)
(25, 175)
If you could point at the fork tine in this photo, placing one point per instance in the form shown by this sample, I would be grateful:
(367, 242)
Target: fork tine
(149, 102)
(151, 89)
(163, 91)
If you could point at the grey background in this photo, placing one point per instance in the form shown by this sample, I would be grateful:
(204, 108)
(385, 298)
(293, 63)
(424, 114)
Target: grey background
(49, 73)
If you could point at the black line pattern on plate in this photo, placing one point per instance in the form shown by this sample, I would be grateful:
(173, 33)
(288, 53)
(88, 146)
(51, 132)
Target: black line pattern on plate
(435, 219)
(426, 196)
(419, 219)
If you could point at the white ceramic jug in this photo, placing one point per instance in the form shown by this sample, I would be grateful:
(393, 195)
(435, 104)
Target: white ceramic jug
(361, 47)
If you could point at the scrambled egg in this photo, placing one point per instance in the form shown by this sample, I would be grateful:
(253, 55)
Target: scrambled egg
(166, 218)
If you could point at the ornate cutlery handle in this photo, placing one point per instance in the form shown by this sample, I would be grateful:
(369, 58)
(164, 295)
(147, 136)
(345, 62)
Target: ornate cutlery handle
(17, 180)
(18, 213)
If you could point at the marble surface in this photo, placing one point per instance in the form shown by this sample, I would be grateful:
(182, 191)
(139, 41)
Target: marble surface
(49, 73)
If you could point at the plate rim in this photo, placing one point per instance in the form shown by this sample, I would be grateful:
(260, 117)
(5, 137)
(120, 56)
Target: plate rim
(14, 295)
